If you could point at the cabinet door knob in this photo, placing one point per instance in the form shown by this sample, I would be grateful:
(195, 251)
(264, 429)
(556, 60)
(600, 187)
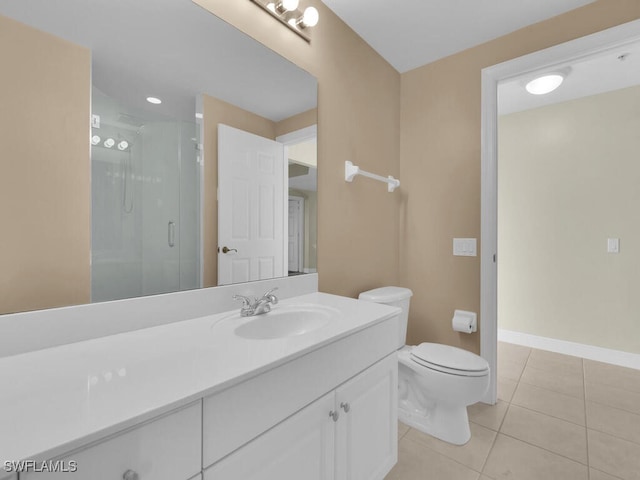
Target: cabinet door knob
(130, 475)
(334, 415)
(345, 406)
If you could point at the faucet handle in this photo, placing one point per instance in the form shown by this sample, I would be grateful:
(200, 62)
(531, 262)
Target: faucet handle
(270, 296)
(246, 301)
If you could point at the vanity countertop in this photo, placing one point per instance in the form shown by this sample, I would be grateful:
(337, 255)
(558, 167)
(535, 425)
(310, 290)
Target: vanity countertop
(57, 399)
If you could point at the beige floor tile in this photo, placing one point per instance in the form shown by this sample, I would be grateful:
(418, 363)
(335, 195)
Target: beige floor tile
(489, 416)
(513, 353)
(512, 459)
(558, 436)
(613, 397)
(416, 462)
(614, 456)
(555, 362)
(614, 421)
(402, 430)
(473, 454)
(552, 403)
(506, 388)
(568, 384)
(607, 374)
(510, 370)
(598, 475)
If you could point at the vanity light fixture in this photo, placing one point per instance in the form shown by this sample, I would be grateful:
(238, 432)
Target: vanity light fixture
(154, 100)
(288, 13)
(545, 84)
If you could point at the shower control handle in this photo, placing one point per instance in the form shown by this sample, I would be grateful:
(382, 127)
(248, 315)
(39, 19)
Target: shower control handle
(171, 234)
(345, 406)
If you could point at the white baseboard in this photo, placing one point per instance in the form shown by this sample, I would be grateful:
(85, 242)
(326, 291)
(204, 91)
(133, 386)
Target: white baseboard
(599, 354)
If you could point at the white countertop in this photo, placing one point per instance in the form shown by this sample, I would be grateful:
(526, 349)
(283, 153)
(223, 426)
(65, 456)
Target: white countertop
(55, 400)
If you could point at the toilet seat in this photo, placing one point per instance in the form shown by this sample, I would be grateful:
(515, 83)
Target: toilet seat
(448, 359)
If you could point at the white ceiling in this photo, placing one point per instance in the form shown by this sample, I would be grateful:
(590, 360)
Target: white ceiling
(412, 33)
(596, 74)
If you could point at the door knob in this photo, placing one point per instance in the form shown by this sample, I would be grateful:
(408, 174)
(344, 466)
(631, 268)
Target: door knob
(345, 406)
(130, 475)
(227, 250)
(334, 415)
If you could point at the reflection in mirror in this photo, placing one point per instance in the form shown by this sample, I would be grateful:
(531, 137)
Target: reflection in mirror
(110, 196)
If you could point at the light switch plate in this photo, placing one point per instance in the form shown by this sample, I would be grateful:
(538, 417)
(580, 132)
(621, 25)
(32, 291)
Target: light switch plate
(613, 245)
(465, 247)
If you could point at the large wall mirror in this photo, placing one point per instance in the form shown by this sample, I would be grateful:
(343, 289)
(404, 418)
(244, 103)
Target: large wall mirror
(106, 195)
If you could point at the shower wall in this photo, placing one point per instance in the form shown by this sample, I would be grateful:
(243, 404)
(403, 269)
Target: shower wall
(145, 202)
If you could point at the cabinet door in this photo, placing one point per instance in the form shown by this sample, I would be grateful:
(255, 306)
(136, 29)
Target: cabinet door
(301, 447)
(168, 448)
(367, 431)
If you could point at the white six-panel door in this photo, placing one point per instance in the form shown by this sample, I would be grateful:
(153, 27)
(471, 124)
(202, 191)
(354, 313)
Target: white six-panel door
(252, 194)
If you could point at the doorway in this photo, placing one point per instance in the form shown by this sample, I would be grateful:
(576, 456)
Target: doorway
(611, 40)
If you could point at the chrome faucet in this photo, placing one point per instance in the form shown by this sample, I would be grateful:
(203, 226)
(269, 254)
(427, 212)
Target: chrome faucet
(259, 305)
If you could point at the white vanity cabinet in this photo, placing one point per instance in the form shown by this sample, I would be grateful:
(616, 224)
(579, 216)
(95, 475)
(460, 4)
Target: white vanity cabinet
(349, 433)
(167, 448)
(367, 428)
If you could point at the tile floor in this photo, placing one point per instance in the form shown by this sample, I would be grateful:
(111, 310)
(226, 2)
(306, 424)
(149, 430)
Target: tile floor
(557, 417)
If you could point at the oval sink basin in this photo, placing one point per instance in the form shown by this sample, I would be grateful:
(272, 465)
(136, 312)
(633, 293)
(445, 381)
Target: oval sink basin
(286, 321)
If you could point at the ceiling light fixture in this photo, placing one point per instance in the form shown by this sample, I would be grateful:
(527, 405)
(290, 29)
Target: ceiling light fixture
(545, 84)
(154, 100)
(288, 13)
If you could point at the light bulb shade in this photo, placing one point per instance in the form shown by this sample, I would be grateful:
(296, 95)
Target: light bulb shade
(154, 100)
(545, 84)
(109, 142)
(289, 5)
(95, 140)
(123, 145)
(310, 17)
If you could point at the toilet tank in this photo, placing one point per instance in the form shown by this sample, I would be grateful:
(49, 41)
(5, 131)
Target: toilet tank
(397, 297)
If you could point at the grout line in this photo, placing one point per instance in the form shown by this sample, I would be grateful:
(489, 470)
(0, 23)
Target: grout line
(548, 415)
(547, 450)
(443, 455)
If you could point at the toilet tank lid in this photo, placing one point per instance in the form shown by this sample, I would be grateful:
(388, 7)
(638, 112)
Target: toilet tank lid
(386, 294)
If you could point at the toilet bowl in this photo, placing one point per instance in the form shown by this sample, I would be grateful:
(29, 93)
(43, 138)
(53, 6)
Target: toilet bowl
(436, 382)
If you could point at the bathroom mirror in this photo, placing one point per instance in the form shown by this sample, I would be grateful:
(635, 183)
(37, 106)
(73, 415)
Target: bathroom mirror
(136, 214)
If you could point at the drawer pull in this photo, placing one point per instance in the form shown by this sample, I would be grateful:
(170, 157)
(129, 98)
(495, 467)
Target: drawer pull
(334, 415)
(345, 406)
(130, 475)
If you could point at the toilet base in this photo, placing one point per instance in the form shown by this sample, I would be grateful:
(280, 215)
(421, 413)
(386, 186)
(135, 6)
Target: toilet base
(449, 423)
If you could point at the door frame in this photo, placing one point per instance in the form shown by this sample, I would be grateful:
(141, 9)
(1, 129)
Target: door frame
(300, 201)
(610, 39)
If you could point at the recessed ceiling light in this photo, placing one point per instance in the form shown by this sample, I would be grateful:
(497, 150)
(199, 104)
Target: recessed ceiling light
(545, 84)
(154, 100)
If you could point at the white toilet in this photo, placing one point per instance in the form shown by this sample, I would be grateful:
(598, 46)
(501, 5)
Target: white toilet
(435, 382)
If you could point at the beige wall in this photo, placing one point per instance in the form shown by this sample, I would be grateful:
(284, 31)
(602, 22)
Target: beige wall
(297, 122)
(440, 167)
(358, 120)
(216, 111)
(44, 186)
(569, 177)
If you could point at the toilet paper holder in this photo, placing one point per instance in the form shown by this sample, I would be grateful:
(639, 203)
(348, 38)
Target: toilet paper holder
(464, 321)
